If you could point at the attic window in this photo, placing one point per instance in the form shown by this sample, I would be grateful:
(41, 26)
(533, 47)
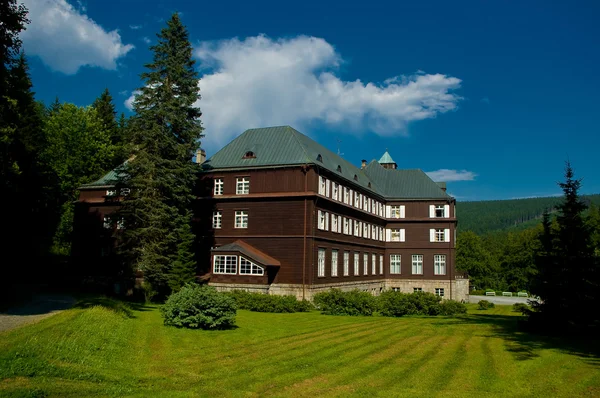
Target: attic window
(339, 169)
(249, 155)
(369, 185)
(320, 158)
(355, 177)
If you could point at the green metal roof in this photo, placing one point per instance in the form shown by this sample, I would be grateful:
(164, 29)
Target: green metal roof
(404, 184)
(282, 146)
(386, 158)
(110, 179)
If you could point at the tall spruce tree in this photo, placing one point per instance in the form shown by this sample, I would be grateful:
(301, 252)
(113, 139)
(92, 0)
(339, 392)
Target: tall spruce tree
(164, 133)
(105, 109)
(568, 279)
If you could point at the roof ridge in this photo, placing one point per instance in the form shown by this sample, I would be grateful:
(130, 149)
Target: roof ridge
(293, 132)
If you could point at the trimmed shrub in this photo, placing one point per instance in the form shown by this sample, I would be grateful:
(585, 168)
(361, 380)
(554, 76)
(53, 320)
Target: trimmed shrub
(337, 302)
(522, 308)
(484, 305)
(260, 302)
(452, 307)
(399, 304)
(199, 307)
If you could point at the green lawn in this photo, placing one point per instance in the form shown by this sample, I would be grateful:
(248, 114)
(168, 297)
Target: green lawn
(103, 351)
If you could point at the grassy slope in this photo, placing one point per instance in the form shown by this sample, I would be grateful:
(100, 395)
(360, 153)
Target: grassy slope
(98, 352)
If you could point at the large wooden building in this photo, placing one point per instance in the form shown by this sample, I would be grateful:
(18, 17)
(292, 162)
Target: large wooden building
(289, 216)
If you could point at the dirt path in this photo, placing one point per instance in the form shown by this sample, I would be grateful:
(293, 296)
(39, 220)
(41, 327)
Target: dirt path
(40, 307)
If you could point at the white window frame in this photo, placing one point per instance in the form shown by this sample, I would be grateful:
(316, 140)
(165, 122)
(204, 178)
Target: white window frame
(397, 211)
(334, 190)
(356, 228)
(321, 263)
(346, 226)
(356, 263)
(395, 235)
(346, 195)
(381, 264)
(439, 264)
(439, 291)
(373, 264)
(225, 267)
(217, 221)
(440, 235)
(365, 263)
(346, 263)
(365, 201)
(334, 223)
(417, 264)
(255, 269)
(242, 185)
(395, 264)
(357, 200)
(327, 184)
(218, 187)
(322, 185)
(439, 211)
(417, 289)
(365, 230)
(121, 223)
(240, 217)
(334, 262)
(111, 192)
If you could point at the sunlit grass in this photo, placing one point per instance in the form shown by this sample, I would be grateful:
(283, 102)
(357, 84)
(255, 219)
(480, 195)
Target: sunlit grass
(105, 349)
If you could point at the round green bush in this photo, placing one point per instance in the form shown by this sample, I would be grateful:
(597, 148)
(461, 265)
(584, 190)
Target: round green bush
(399, 304)
(452, 307)
(484, 305)
(337, 302)
(199, 307)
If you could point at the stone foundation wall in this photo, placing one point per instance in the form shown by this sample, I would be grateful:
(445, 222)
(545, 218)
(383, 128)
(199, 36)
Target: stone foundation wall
(457, 289)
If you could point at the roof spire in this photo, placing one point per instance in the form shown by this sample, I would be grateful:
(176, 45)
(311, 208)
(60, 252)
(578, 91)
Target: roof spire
(387, 161)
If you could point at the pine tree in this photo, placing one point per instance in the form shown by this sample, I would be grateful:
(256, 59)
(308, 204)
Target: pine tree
(184, 266)
(164, 135)
(108, 115)
(568, 279)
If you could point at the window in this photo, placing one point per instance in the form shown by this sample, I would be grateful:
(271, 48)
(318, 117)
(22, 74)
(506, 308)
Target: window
(355, 177)
(374, 232)
(107, 222)
(373, 264)
(439, 291)
(365, 201)
(366, 263)
(321, 185)
(319, 158)
(356, 263)
(396, 233)
(218, 190)
(346, 263)
(360, 229)
(439, 235)
(334, 262)
(381, 264)
(121, 223)
(417, 289)
(327, 184)
(241, 219)
(243, 186)
(334, 190)
(323, 220)
(217, 215)
(397, 212)
(346, 195)
(249, 155)
(339, 168)
(365, 229)
(224, 264)
(356, 228)
(125, 191)
(395, 263)
(247, 267)
(439, 264)
(417, 264)
(346, 226)
(439, 211)
(321, 263)
(395, 289)
(111, 192)
(334, 223)
(356, 200)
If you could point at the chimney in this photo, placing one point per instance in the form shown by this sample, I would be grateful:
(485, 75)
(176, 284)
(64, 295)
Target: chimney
(363, 164)
(200, 156)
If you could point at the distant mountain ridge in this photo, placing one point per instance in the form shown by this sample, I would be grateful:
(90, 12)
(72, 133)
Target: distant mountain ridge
(488, 216)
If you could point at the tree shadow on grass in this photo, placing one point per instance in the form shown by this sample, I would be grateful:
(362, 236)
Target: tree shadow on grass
(525, 345)
(124, 308)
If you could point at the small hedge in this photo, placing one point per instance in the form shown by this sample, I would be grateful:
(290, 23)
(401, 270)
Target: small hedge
(337, 302)
(199, 307)
(522, 308)
(259, 302)
(484, 305)
(397, 304)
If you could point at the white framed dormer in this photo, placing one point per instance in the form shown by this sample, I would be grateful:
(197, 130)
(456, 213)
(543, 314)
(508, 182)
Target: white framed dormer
(247, 267)
(439, 211)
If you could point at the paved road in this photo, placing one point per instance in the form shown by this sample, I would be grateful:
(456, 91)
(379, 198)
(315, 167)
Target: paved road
(499, 299)
(40, 307)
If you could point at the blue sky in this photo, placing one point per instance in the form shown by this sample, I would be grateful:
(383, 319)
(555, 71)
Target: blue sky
(491, 96)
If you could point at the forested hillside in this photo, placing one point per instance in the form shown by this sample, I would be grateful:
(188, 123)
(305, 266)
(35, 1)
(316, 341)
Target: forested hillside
(496, 215)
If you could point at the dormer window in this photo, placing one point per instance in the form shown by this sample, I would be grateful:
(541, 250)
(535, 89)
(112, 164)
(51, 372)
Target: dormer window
(355, 177)
(320, 158)
(249, 155)
(339, 168)
(369, 185)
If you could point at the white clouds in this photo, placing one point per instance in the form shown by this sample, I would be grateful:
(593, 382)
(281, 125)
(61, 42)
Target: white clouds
(135, 27)
(146, 40)
(65, 39)
(447, 175)
(261, 82)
